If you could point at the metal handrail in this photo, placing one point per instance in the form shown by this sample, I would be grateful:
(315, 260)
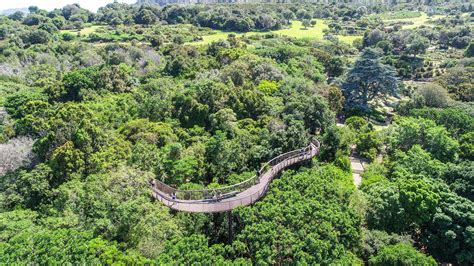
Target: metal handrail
(173, 194)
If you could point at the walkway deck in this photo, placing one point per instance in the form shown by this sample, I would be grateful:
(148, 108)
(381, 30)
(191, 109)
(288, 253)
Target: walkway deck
(245, 197)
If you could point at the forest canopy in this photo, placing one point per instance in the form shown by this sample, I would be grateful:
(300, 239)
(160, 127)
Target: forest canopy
(96, 106)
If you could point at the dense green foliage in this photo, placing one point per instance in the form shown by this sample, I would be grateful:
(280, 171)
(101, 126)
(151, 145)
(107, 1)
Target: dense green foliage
(401, 254)
(369, 80)
(296, 221)
(94, 106)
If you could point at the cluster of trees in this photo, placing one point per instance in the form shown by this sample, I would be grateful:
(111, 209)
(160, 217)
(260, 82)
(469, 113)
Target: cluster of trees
(406, 49)
(423, 188)
(70, 16)
(416, 42)
(238, 17)
(85, 128)
(104, 120)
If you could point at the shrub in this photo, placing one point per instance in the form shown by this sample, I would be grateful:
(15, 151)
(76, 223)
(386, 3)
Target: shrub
(433, 95)
(356, 122)
(343, 162)
(368, 145)
(373, 173)
(401, 254)
(16, 153)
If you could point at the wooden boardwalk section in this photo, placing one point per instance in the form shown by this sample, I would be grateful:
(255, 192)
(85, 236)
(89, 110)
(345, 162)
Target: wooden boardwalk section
(230, 197)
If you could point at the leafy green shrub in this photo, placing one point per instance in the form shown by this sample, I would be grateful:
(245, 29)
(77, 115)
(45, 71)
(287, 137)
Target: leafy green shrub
(373, 173)
(433, 95)
(67, 36)
(15, 104)
(368, 145)
(374, 241)
(435, 139)
(268, 87)
(356, 123)
(401, 254)
(457, 120)
(467, 146)
(343, 162)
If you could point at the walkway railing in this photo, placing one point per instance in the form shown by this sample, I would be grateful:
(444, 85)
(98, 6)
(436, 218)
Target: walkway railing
(253, 188)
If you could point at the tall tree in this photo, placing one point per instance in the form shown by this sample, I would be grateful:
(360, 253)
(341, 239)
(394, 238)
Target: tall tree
(145, 16)
(369, 80)
(417, 45)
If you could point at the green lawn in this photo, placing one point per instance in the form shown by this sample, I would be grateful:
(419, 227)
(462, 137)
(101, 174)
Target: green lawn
(348, 39)
(421, 20)
(85, 31)
(296, 30)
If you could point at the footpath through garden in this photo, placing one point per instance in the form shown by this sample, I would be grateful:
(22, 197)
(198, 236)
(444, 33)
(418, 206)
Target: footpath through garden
(358, 163)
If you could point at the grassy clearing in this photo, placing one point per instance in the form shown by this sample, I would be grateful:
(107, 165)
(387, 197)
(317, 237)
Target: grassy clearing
(348, 39)
(296, 31)
(85, 31)
(422, 20)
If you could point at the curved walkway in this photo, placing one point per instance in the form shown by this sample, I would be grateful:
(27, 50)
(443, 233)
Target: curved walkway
(228, 198)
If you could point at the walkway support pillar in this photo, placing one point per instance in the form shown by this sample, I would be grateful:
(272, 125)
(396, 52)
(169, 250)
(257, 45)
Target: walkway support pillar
(230, 227)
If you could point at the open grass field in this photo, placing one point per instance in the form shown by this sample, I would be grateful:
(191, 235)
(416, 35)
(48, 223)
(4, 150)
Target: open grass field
(296, 31)
(422, 20)
(85, 31)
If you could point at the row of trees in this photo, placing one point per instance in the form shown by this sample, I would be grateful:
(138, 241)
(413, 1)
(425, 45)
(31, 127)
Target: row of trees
(240, 17)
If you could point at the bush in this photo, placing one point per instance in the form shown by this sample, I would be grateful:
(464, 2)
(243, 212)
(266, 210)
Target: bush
(401, 254)
(37, 37)
(356, 122)
(368, 145)
(373, 173)
(433, 95)
(374, 241)
(457, 120)
(409, 131)
(16, 153)
(470, 50)
(67, 36)
(343, 162)
(467, 146)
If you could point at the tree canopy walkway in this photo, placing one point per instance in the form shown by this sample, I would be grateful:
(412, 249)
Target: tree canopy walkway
(230, 197)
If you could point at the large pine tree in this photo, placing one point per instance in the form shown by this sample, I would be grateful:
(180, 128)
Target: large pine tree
(369, 80)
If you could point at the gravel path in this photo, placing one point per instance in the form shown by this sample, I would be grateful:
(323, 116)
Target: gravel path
(357, 166)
